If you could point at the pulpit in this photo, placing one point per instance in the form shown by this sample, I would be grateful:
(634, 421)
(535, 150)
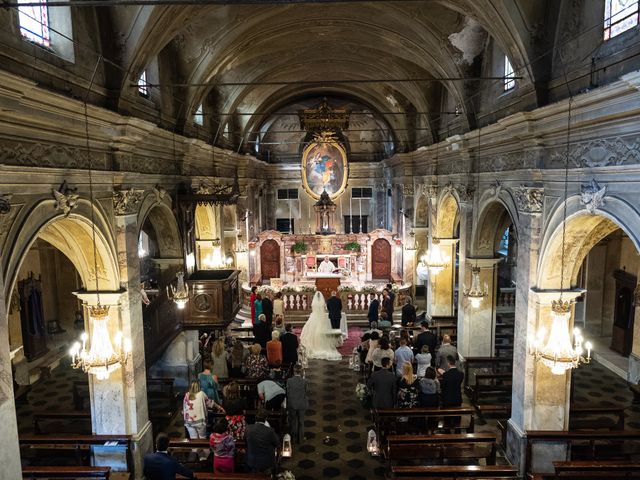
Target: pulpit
(326, 284)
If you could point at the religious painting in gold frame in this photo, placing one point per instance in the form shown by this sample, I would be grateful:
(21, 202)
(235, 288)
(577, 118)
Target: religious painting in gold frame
(324, 167)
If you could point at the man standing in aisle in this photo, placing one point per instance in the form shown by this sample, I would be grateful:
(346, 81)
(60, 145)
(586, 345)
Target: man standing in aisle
(334, 307)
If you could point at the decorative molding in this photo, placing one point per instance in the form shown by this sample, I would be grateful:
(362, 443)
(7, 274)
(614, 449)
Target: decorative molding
(592, 196)
(465, 192)
(430, 191)
(49, 155)
(494, 189)
(127, 202)
(160, 192)
(600, 153)
(5, 206)
(529, 199)
(407, 189)
(509, 161)
(66, 198)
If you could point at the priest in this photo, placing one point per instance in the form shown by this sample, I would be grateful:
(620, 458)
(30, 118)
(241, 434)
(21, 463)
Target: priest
(326, 266)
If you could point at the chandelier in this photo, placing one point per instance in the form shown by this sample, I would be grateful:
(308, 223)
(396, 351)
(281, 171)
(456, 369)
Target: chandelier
(214, 260)
(180, 293)
(102, 357)
(558, 352)
(476, 294)
(435, 260)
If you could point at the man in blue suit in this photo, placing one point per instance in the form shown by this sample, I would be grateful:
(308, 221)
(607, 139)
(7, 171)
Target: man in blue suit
(374, 308)
(160, 465)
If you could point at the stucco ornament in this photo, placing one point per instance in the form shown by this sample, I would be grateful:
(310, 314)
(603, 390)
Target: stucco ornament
(126, 202)
(529, 199)
(160, 192)
(5, 206)
(407, 189)
(465, 192)
(495, 188)
(66, 199)
(592, 196)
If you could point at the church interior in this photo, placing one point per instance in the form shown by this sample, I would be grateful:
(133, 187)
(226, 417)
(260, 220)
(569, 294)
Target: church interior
(170, 167)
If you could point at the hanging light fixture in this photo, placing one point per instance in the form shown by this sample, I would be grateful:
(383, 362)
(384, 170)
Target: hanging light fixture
(180, 293)
(435, 260)
(214, 260)
(102, 356)
(557, 351)
(476, 293)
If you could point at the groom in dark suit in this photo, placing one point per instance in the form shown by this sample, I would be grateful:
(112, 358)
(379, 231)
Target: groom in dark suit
(334, 307)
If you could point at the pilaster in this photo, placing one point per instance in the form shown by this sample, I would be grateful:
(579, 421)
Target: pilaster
(444, 282)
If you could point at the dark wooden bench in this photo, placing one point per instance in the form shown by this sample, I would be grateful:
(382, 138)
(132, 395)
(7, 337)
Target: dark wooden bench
(489, 385)
(587, 445)
(595, 470)
(473, 365)
(451, 472)
(71, 472)
(231, 476)
(611, 418)
(440, 448)
(423, 420)
(79, 422)
(160, 388)
(46, 450)
(188, 451)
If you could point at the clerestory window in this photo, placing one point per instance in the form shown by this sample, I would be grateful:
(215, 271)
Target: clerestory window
(619, 16)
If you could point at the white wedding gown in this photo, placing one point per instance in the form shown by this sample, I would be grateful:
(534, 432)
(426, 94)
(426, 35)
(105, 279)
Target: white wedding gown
(314, 333)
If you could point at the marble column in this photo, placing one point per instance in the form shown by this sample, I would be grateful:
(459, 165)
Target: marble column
(9, 448)
(444, 282)
(479, 324)
(181, 360)
(540, 399)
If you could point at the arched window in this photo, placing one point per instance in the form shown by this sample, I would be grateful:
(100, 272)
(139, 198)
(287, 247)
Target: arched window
(509, 80)
(34, 23)
(198, 117)
(619, 16)
(143, 88)
(49, 28)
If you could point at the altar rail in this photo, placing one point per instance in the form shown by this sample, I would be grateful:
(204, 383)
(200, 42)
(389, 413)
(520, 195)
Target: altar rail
(351, 301)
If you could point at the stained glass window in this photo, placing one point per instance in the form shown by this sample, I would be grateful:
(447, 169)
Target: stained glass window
(143, 89)
(198, 117)
(34, 23)
(619, 16)
(509, 81)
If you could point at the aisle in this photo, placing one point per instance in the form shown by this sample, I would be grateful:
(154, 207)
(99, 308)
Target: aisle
(336, 413)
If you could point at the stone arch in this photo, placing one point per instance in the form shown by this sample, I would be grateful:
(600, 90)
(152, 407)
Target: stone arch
(206, 225)
(447, 214)
(582, 231)
(72, 235)
(159, 216)
(496, 213)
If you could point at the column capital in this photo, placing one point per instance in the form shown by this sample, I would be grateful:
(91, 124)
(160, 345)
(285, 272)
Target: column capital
(448, 241)
(109, 298)
(545, 297)
(483, 262)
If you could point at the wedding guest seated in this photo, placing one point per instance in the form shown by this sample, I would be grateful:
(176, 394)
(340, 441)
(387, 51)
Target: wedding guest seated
(451, 384)
(262, 443)
(384, 322)
(383, 386)
(274, 349)
(276, 373)
(256, 365)
(223, 446)
(384, 350)
(402, 354)
(235, 405)
(160, 465)
(408, 387)
(429, 388)
(423, 360)
(272, 394)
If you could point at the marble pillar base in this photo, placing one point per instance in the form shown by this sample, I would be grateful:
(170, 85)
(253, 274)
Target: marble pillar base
(9, 451)
(543, 454)
(181, 360)
(116, 457)
(633, 375)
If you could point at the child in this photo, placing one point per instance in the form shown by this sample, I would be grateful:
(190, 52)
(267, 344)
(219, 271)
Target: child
(223, 446)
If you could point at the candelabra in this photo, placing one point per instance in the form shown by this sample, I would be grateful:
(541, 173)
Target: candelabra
(180, 293)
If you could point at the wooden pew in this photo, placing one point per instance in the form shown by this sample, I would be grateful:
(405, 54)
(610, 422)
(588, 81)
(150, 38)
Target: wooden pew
(485, 365)
(440, 448)
(423, 420)
(592, 418)
(186, 452)
(47, 449)
(489, 385)
(161, 388)
(79, 422)
(71, 472)
(589, 445)
(595, 470)
(232, 476)
(451, 472)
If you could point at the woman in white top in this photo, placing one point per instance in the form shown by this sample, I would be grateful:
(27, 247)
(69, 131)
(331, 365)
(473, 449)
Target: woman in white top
(383, 350)
(278, 305)
(373, 344)
(194, 408)
(423, 359)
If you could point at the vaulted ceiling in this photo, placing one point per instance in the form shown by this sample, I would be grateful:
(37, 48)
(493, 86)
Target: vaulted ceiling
(248, 62)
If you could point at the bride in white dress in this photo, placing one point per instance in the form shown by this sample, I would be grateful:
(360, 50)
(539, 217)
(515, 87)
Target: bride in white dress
(314, 333)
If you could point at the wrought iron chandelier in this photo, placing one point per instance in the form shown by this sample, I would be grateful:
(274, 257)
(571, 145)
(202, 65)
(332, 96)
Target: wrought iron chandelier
(476, 293)
(102, 356)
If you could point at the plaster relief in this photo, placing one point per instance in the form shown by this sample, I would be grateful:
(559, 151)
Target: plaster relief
(66, 198)
(127, 202)
(592, 196)
(529, 199)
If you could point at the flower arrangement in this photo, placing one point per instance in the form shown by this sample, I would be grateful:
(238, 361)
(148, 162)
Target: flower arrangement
(352, 246)
(286, 475)
(363, 394)
(299, 247)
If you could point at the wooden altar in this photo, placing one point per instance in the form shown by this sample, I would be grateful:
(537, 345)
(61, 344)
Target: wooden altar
(327, 284)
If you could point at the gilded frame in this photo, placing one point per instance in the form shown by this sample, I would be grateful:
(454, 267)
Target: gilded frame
(335, 151)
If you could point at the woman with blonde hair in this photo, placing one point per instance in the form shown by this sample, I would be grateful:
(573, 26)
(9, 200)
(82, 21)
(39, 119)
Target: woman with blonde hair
(219, 367)
(408, 387)
(194, 409)
(256, 365)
